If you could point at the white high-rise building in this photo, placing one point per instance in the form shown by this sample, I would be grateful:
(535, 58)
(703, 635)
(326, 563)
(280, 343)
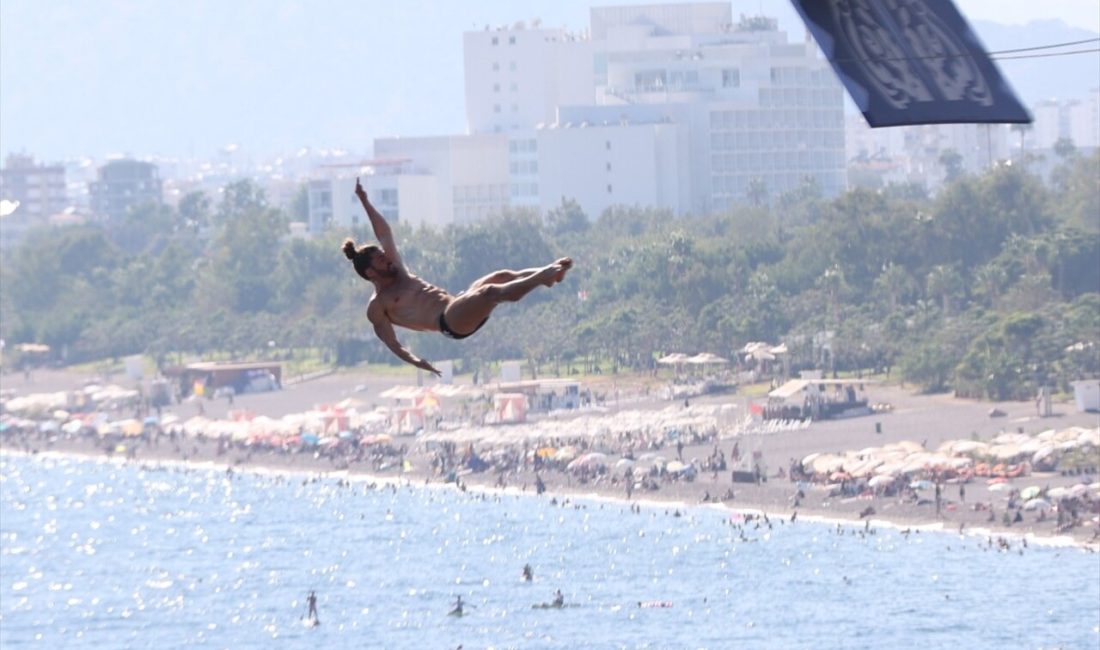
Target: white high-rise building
(669, 106)
(1084, 121)
(422, 181)
(400, 191)
(469, 174)
(516, 77)
(1077, 120)
(1048, 127)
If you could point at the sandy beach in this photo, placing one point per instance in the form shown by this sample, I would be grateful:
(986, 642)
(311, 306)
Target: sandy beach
(925, 419)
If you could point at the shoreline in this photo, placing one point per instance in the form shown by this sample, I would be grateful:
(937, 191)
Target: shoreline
(902, 518)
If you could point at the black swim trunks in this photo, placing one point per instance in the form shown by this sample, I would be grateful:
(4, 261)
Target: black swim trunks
(451, 334)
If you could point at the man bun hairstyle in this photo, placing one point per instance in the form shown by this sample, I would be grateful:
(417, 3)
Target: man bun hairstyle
(349, 248)
(360, 257)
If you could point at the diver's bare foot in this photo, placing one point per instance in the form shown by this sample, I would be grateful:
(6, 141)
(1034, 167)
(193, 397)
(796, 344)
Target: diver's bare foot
(564, 264)
(547, 275)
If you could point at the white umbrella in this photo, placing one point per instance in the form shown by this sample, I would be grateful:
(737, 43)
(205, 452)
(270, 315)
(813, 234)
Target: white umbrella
(1030, 492)
(623, 463)
(675, 466)
(674, 358)
(1057, 493)
(1006, 451)
(705, 358)
(880, 480)
(1078, 490)
(921, 485)
(1037, 504)
(593, 459)
(1000, 487)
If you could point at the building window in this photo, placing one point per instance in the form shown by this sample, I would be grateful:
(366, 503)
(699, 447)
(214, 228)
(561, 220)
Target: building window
(512, 66)
(511, 40)
(608, 166)
(609, 188)
(496, 88)
(496, 108)
(731, 78)
(515, 108)
(607, 144)
(496, 66)
(495, 40)
(513, 87)
(649, 80)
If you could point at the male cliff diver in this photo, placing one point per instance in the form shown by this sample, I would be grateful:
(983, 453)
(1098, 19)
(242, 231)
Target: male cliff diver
(402, 299)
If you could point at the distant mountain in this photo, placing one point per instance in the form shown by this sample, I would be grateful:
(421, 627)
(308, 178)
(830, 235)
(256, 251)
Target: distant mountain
(1038, 79)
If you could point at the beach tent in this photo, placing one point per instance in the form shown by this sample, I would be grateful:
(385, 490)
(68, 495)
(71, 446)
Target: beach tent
(510, 407)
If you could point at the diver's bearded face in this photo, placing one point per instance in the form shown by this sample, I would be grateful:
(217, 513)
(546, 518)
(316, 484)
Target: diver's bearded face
(382, 266)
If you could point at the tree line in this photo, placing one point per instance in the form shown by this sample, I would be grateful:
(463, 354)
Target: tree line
(990, 288)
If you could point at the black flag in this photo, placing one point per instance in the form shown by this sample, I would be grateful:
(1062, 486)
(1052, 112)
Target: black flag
(910, 62)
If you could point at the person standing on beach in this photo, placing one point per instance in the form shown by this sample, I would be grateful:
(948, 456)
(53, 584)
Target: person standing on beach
(405, 300)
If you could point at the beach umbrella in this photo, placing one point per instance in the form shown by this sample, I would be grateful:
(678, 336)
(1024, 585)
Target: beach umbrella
(1057, 493)
(593, 459)
(675, 466)
(808, 460)
(706, 358)
(1077, 491)
(880, 480)
(1000, 487)
(376, 439)
(921, 485)
(1037, 504)
(652, 459)
(1006, 451)
(72, 427)
(675, 358)
(546, 452)
(890, 468)
(568, 452)
(910, 446)
(310, 438)
(1030, 492)
(623, 463)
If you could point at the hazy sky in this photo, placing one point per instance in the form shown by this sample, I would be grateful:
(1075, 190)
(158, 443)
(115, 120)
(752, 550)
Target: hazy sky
(184, 78)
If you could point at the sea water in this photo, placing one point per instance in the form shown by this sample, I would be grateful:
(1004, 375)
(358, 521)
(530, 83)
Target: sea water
(102, 555)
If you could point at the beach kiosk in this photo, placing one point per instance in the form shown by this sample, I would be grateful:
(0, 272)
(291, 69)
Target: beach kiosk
(817, 399)
(1086, 393)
